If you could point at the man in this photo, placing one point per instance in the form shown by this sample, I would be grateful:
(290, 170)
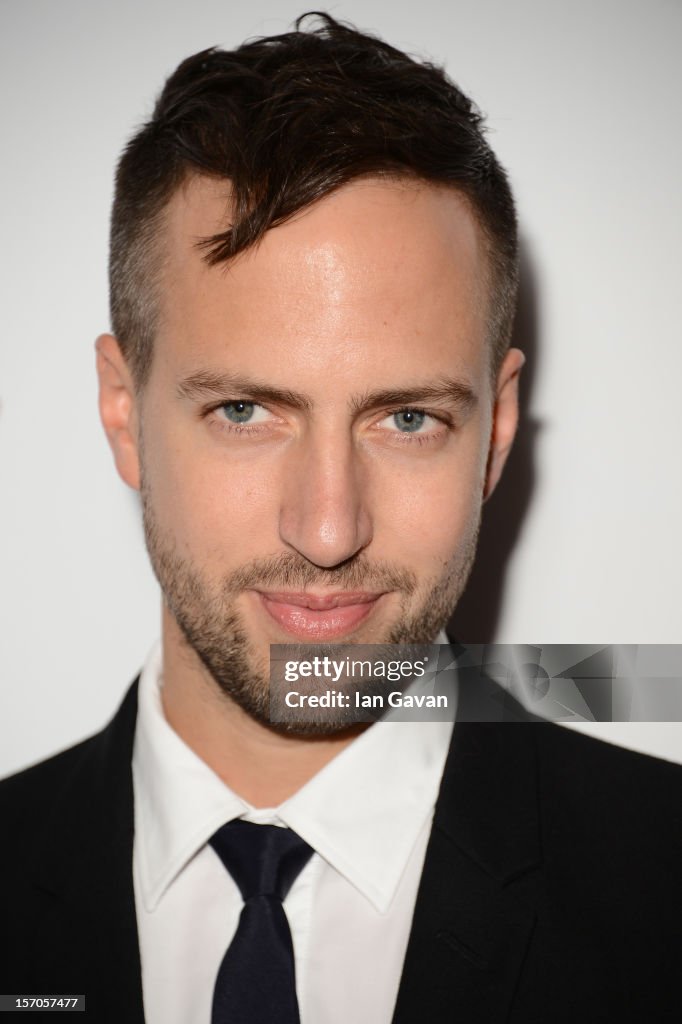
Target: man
(309, 380)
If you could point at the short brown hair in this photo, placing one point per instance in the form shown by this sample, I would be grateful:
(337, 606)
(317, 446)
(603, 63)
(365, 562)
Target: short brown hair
(288, 119)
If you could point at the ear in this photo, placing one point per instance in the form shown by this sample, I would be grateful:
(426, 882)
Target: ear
(505, 417)
(118, 408)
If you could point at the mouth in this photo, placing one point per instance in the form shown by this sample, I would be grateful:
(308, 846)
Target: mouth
(308, 616)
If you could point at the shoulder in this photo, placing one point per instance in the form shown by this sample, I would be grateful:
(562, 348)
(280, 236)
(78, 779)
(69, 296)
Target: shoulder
(571, 767)
(75, 777)
(571, 760)
(40, 781)
(27, 799)
(586, 808)
(603, 793)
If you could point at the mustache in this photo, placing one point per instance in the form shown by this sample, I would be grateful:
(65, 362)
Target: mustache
(291, 571)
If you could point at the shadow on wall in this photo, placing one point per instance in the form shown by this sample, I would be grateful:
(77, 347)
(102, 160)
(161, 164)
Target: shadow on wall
(477, 615)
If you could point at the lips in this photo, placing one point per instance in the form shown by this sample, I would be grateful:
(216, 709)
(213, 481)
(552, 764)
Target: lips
(319, 616)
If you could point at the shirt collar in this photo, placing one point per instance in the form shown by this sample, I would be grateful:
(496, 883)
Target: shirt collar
(179, 801)
(362, 813)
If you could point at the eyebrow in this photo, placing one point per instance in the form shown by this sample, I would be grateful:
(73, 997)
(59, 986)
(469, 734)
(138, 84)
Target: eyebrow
(445, 389)
(207, 384)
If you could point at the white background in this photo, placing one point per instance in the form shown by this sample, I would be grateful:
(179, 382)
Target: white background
(580, 545)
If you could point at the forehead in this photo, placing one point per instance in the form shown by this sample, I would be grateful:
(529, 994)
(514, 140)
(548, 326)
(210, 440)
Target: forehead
(375, 265)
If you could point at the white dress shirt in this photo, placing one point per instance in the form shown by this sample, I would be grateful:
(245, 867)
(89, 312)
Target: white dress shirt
(367, 815)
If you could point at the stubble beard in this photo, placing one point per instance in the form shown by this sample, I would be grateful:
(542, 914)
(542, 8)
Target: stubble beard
(211, 625)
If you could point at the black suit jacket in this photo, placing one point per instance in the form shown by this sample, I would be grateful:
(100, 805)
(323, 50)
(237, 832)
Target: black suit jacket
(550, 892)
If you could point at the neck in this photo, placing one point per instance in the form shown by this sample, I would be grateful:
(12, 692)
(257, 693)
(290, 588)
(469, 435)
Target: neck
(262, 766)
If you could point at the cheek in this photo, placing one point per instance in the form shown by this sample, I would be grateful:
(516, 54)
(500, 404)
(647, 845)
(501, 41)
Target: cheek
(216, 512)
(426, 513)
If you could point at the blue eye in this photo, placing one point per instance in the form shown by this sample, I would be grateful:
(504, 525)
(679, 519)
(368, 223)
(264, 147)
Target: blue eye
(242, 416)
(238, 412)
(409, 420)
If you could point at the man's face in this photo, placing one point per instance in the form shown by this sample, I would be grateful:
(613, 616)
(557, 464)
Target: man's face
(316, 428)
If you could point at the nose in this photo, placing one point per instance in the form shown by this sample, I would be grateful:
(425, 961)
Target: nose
(324, 513)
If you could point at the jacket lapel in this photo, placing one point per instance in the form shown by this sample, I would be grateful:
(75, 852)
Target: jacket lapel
(474, 913)
(87, 939)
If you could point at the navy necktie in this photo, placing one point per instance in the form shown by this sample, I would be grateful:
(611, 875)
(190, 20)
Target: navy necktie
(256, 982)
